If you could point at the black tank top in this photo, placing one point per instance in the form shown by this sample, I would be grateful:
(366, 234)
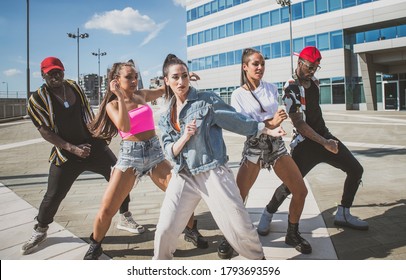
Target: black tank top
(69, 122)
(314, 116)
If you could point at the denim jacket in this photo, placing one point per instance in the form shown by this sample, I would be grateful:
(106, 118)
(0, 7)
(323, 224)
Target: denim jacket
(206, 149)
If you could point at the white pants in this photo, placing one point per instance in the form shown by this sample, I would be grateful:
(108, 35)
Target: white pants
(219, 190)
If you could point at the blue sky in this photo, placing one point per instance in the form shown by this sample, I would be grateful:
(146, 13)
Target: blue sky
(142, 30)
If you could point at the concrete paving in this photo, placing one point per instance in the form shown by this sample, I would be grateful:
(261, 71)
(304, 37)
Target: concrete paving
(377, 139)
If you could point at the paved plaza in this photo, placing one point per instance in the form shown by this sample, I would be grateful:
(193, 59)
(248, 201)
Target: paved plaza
(378, 140)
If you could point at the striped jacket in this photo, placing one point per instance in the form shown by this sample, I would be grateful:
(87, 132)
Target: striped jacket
(41, 111)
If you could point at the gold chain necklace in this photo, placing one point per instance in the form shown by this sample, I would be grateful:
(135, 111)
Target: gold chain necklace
(65, 102)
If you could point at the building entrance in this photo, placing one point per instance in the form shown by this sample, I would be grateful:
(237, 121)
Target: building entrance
(391, 95)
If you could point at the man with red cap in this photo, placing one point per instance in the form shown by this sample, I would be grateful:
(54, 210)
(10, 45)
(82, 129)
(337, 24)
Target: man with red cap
(60, 110)
(313, 143)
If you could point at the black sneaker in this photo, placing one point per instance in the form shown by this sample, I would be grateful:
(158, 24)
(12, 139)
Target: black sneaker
(225, 251)
(95, 250)
(194, 236)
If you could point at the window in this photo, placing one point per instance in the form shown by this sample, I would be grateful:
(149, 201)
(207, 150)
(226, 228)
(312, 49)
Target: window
(222, 59)
(207, 9)
(322, 41)
(222, 4)
(360, 38)
(363, 1)
(266, 51)
(298, 45)
(275, 17)
(208, 62)
(310, 41)
(189, 40)
(200, 37)
(201, 63)
(222, 31)
(372, 35)
(200, 11)
(214, 33)
(255, 23)
(214, 6)
(265, 20)
(194, 39)
(325, 94)
(229, 29)
(230, 58)
(276, 50)
(388, 33)
(284, 14)
(297, 11)
(229, 3)
(246, 27)
(308, 8)
(237, 27)
(189, 15)
(338, 94)
(237, 56)
(401, 30)
(336, 40)
(193, 13)
(215, 60)
(349, 3)
(334, 5)
(286, 48)
(321, 6)
(207, 35)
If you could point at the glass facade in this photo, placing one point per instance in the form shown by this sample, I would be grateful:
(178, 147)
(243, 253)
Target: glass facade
(281, 15)
(325, 41)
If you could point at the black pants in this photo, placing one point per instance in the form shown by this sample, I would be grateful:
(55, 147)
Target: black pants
(308, 154)
(61, 179)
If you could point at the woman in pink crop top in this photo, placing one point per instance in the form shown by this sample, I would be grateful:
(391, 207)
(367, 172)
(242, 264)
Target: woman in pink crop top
(124, 110)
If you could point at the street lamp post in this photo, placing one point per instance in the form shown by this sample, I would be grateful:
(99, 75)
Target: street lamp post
(98, 54)
(6, 88)
(78, 36)
(284, 3)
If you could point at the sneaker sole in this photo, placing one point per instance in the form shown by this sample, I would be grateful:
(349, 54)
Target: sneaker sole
(32, 249)
(263, 233)
(299, 249)
(136, 231)
(225, 256)
(345, 224)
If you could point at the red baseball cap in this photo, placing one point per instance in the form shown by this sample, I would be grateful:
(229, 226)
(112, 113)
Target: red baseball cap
(51, 63)
(311, 54)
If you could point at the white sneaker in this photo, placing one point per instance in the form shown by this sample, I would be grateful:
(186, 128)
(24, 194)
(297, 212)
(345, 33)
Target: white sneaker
(344, 218)
(38, 236)
(264, 224)
(126, 222)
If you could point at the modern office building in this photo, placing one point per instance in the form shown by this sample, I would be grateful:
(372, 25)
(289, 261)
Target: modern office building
(363, 44)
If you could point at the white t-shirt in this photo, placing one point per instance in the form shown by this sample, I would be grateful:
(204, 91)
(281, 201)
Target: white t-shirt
(266, 93)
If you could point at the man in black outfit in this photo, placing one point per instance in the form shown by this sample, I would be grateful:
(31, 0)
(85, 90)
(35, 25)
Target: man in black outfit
(313, 143)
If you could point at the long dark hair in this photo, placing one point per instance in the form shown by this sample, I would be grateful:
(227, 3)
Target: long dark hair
(102, 126)
(245, 59)
(170, 60)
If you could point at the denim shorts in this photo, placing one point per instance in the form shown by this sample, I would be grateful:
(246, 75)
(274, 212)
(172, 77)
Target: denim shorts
(141, 156)
(264, 149)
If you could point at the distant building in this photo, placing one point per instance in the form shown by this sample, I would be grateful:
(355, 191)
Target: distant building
(363, 44)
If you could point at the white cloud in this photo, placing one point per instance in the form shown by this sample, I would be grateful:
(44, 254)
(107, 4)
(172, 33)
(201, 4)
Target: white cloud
(12, 72)
(180, 3)
(126, 22)
(154, 33)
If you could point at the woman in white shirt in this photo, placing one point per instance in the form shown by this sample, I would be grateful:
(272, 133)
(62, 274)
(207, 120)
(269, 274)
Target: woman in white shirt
(258, 100)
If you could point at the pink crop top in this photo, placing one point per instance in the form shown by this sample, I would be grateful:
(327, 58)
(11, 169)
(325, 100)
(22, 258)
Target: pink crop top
(141, 119)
